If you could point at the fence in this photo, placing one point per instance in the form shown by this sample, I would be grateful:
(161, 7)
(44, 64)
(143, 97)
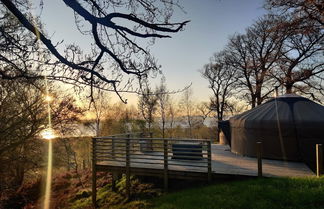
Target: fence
(154, 155)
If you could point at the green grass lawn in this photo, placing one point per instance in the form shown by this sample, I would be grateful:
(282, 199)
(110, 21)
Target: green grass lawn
(265, 193)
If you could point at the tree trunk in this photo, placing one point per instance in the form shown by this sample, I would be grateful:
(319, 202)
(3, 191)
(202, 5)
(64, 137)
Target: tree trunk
(289, 88)
(20, 174)
(258, 97)
(253, 101)
(163, 129)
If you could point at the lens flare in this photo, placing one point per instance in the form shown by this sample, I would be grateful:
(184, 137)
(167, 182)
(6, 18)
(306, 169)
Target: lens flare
(48, 134)
(48, 98)
(48, 176)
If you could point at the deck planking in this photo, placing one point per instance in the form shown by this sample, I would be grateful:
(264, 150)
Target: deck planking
(224, 162)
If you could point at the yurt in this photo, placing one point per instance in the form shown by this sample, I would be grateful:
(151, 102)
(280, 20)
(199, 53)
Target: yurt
(288, 126)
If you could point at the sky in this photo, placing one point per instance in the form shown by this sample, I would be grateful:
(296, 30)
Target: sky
(212, 22)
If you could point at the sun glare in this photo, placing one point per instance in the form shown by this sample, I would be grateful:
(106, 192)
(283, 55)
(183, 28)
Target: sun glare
(48, 134)
(48, 98)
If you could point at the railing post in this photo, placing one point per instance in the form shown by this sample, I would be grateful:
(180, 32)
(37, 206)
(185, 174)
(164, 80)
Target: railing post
(150, 141)
(319, 160)
(127, 168)
(259, 156)
(113, 147)
(94, 174)
(113, 181)
(166, 178)
(209, 161)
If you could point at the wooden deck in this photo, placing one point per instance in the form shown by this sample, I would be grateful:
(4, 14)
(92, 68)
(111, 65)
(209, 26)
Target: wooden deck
(226, 162)
(223, 162)
(180, 158)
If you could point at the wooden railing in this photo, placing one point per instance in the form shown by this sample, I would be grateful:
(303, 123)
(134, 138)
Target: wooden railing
(163, 153)
(154, 154)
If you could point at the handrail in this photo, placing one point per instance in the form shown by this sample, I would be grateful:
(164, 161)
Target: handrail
(164, 154)
(169, 139)
(126, 134)
(165, 151)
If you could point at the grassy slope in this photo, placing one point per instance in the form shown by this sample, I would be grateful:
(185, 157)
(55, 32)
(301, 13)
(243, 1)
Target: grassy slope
(106, 198)
(270, 193)
(73, 192)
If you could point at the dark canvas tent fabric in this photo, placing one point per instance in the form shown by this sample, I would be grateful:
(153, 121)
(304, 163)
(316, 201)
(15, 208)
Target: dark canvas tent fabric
(288, 126)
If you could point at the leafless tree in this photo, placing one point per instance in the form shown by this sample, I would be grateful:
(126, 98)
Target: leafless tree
(301, 59)
(147, 106)
(163, 101)
(222, 79)
(171, 116)
(311, 11)
(21, 116)
(114, 26)
(19, 55)
(188, 107)
(66, 114)
(100, 106)
(119, 118)
(254, 55)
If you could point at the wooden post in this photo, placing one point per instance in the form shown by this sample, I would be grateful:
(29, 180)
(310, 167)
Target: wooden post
(150, 142)
(259, 156)
(113, 181)
(166, 178)
(319, 159)
(94, 174)
(209, 161)
(113, 147)
(127, 168)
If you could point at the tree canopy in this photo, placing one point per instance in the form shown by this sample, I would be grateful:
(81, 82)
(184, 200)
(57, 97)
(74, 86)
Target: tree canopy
(115, 28)
(283, 49)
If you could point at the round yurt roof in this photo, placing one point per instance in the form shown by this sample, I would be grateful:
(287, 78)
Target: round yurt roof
(288, 126)
(288, 108)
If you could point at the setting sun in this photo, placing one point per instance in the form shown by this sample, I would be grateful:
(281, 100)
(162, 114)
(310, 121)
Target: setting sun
(48, 134)
(48, 98)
